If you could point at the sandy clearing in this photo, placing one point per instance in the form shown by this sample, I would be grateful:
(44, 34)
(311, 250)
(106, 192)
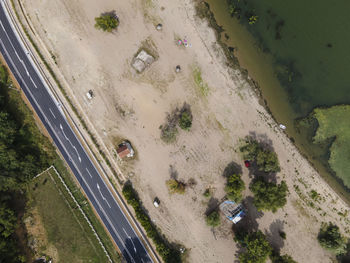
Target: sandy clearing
(133, 106)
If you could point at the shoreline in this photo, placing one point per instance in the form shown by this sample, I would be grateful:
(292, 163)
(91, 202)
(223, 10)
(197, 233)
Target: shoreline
(204, 11)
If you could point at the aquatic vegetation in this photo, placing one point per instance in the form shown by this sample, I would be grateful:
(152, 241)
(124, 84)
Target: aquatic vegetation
(334, 124)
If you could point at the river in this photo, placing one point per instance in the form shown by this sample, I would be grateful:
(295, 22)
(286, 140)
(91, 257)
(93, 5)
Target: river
(297, 52)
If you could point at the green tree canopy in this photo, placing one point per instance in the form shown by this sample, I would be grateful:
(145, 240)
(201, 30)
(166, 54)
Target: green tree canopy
(257, 248)
(185, 120)
(107, 22)
(265, 159)
(267, 195)
(282, 259)
(213, 219)
(330, 238)
(234, 187)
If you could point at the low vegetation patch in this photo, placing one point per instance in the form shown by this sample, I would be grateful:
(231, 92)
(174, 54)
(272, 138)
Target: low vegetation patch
(333, 125)
(198, 80)
(167, 251)
(234, 187)
(182, 117)
(107, 21)
(213, 219)
(175, 186)
(268, 195)
(330, 238)
(265, 159)
(64, 224)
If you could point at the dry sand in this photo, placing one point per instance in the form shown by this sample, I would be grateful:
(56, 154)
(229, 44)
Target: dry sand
(134, 106)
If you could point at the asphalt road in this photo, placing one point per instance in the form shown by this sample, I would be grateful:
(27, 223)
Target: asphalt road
(48, 109)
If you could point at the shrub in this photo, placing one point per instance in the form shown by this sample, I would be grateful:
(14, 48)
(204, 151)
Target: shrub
(213, 219)
(330, 238)
(185, 121)
(282, 234)
(168, 253)
(269, 196)
(169, 133)
(234, 187)
(257, 248)
(175, 186)
(265, 159)
(107, 22)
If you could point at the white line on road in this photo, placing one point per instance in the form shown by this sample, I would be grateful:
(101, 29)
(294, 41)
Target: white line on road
(70, 142)
(88, 172)
(52, 113)
(104, 198)
(130, 239)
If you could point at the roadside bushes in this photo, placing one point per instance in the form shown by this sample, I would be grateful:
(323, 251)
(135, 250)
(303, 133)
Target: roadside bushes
(268, 195)
(234, 187)
(107, 21)
(168, 253)
(265, 159)
(185, 121)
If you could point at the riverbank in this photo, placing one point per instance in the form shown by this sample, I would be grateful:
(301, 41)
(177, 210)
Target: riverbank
(244, 52)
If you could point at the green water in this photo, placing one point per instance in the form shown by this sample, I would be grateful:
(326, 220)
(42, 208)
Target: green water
(298, 53)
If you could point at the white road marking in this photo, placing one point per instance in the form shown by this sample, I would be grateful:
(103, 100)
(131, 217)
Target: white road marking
(52, 113)
(98, 187)
(88, 172)
(130, 239)
(70, 143)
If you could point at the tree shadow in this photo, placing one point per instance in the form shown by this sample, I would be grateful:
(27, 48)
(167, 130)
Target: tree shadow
(173, 172)
(213, 205)
(232, 168)
(275, 235)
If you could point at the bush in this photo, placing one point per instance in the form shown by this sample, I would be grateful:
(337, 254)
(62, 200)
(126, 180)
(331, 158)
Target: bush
(168, 253)
(234, 187)
(265, 159)
(257, 248)
(330, 238)
(169, 133)
(207, 193)
(269, 196)
(107, 22)
(175, 187)
(185, 121)
(213, 219)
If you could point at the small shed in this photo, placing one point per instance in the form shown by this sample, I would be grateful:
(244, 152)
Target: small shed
(125, 150)
(233, 211)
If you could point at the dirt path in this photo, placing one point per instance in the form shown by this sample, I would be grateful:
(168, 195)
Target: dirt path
(134, 106)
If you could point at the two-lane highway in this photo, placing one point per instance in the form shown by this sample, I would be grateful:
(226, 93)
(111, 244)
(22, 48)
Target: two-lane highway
(48, 109)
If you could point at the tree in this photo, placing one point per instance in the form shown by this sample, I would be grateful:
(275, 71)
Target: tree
(234, 187)
(213, 219)
(257, 248)
(107, 22)
(185, 121)
(330, 238)
(277, 258)
(268, 196)
(265, 159)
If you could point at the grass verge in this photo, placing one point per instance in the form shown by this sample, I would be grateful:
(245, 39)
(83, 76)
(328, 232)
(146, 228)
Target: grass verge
(65, 226)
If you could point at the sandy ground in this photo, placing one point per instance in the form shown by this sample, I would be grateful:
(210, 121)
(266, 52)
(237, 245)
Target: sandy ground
(134, 106)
